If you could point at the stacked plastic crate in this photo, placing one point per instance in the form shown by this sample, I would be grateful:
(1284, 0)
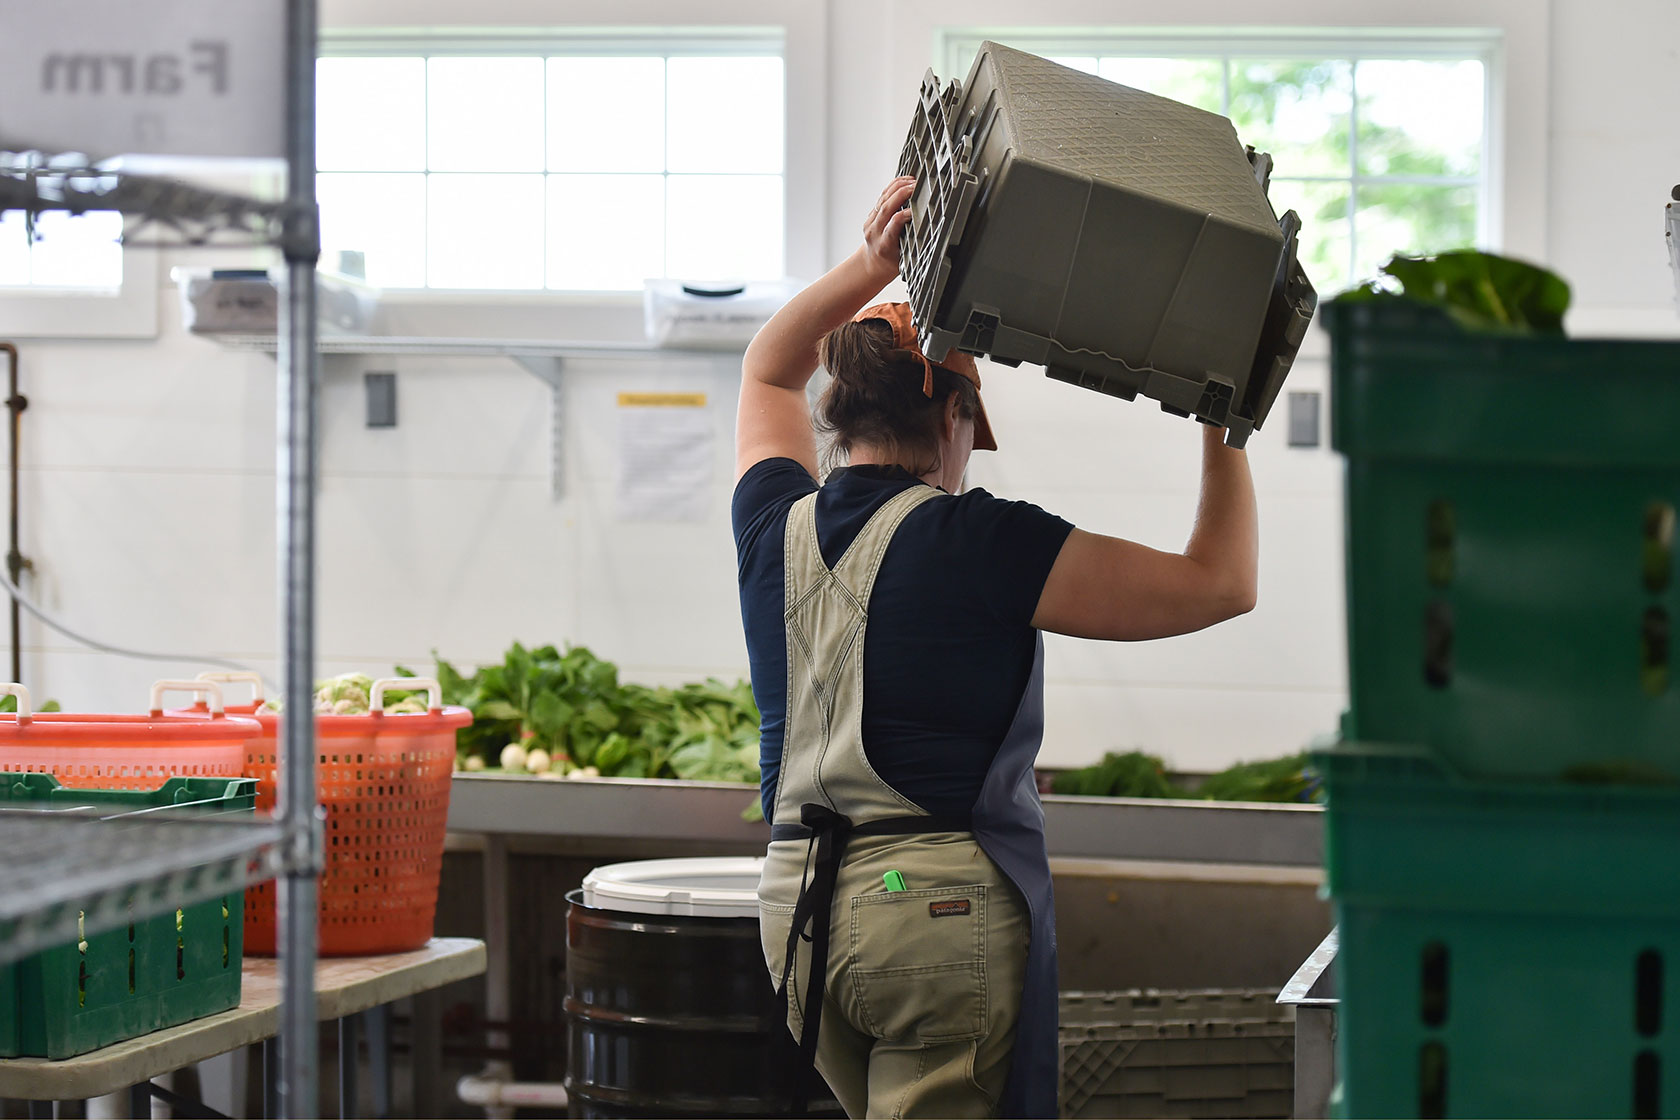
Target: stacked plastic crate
(158, 971)
(1228, 1053)
(1504, 804)
(1121, 240)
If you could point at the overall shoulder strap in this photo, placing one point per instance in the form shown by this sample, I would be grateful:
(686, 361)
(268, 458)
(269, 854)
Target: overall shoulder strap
(826, 616)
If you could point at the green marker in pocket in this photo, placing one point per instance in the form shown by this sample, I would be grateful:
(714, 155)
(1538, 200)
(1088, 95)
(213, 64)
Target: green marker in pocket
(894, 881)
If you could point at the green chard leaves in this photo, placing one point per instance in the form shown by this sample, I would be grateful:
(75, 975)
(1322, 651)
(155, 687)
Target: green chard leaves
(1481, 291)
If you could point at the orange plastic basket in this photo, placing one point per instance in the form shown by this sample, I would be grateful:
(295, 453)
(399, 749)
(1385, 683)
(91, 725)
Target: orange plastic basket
(99, 751)
(384, 781)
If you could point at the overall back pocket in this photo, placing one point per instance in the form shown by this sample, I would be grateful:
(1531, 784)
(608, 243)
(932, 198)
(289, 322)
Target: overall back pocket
(918, 963)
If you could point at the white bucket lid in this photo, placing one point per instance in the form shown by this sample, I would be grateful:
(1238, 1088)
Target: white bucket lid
(717, 887)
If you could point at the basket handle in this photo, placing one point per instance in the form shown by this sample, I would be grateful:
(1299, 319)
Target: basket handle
(253, 679)
(376, 695)
(25, 710)
(210, 690)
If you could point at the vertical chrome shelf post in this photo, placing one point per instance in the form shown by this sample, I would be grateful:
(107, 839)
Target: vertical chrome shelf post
(298, 376)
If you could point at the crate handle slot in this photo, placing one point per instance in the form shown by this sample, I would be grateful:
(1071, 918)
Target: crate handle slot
(25, 709)
(253, 679)
(210, 690)
(1647, 1084)
(376, 695)
(1654, 635)
(1434, 996)
(1648, 993)
(1432, 1081)
(1442, 531)
(1438, 644)
(1658, 555)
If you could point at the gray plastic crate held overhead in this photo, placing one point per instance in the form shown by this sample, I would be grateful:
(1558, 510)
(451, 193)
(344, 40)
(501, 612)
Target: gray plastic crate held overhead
(1121, 240)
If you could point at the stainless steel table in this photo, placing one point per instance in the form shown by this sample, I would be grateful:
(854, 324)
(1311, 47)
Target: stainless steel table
(709, 813)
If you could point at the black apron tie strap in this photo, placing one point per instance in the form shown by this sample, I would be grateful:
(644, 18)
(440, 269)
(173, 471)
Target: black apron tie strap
(829, 833)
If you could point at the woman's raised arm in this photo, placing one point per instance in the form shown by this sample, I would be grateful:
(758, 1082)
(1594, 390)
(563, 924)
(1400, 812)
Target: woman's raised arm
(774, 420)
(1106, 587)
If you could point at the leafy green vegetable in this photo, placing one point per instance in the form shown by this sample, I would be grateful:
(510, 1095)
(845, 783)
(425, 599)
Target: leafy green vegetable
(1133, 774)
(1479, 290)
(8, 703)
(573, 705)
(1136, 774)
(1280, 779)
(343, 695)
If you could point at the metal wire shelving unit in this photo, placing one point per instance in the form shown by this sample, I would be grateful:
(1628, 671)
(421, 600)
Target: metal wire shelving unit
(69, 872)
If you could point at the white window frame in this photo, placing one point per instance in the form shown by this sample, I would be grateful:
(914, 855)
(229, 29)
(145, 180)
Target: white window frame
(1518, 143)
(719, 27)
(719, 43)
(130, 311)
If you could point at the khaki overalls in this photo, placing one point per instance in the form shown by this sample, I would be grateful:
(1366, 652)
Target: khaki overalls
(922, 986)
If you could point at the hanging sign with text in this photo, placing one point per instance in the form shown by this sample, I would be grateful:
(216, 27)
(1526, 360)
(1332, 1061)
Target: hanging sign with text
(143, 77)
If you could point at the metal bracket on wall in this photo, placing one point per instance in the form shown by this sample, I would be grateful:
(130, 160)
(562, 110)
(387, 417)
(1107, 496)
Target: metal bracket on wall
(547, 369)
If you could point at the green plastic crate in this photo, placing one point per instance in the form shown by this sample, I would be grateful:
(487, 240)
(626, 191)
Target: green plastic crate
(1507, 949)
(1509, 587)
(157, 972)
(9, 1039)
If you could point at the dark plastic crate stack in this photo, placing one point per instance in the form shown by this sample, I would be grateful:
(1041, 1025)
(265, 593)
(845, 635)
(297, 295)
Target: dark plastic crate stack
(1217, 1053)
(1511, 579)
(158, 972)
(1121, 240)
(1506, 948)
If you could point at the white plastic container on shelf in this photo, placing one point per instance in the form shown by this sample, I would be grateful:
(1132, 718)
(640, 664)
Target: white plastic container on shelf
(247, 301)
(710, 316)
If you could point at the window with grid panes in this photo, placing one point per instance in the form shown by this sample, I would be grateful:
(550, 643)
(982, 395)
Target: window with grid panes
(553, 170)
(1381, 147)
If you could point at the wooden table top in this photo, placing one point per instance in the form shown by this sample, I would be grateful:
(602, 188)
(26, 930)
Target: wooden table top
(343, 986)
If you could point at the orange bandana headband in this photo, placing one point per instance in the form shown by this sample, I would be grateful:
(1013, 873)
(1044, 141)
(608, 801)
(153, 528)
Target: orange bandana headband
(897, 316)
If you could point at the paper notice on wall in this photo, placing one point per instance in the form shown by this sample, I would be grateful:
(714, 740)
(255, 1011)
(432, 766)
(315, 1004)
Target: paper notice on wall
(666, 451)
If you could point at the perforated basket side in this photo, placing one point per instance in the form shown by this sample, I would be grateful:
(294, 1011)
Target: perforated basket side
(387, 807)
(945, 191)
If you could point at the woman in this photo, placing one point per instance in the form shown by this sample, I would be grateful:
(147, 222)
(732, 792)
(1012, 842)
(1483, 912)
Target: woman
(892, 625)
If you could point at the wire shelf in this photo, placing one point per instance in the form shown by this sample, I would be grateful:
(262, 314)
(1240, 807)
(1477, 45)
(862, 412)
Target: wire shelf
(440, 347)
(69, 873)
(172, 212)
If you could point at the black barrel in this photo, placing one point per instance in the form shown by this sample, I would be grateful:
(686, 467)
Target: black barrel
(672, 1015)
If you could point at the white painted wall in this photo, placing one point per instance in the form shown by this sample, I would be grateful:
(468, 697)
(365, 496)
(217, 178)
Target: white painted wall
(149, 480)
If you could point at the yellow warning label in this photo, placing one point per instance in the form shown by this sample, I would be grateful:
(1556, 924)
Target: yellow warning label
(662, 400)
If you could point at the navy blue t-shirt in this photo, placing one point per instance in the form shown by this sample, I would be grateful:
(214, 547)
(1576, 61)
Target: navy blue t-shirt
(950, 640)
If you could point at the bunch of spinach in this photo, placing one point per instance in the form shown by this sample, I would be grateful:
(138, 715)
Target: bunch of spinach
(571, 704)
(1133, 774)
(1279, 779)
(1137, 774)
